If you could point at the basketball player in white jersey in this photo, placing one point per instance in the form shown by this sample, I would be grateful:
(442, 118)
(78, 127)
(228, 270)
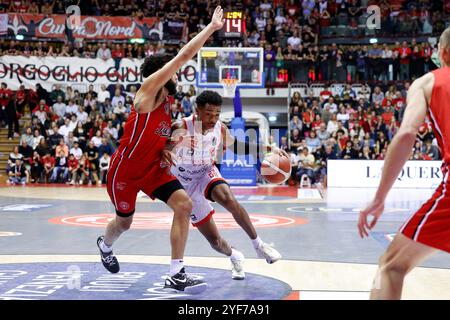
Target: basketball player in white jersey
(200, 140)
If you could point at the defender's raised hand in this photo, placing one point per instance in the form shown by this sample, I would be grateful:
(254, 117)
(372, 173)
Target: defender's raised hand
(217, 20)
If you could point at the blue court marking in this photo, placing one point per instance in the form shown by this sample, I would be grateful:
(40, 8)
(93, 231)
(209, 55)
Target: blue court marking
(90, 281)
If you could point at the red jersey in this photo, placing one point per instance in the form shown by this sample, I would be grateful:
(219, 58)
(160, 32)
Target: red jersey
(48, 161)
(387, 116)
(145, 134)
(36, 109)
(20, 96)
(404, 54)
(5, 96)
(439, 111)
(72, 163)
(136, 164)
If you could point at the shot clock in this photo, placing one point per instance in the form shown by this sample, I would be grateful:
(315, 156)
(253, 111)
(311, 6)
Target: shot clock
(234, 26)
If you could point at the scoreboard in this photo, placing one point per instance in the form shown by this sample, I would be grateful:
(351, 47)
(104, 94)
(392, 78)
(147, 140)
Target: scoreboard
(234, 26)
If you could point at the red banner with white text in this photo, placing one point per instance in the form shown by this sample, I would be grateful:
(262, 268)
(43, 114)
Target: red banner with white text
(86, 27)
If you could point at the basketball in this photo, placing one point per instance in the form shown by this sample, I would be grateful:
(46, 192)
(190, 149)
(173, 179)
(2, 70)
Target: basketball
(276, 168)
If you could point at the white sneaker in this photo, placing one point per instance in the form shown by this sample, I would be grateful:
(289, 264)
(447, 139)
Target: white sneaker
(267, 252)
(72, 182)
(237, 268)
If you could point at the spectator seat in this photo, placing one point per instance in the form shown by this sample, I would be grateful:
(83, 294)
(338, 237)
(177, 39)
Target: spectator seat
(305, 181)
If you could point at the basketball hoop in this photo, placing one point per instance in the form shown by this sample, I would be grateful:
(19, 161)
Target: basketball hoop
(229, 87)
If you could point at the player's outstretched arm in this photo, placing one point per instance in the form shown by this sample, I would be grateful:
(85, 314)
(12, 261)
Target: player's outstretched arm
(400, 148)
(159, 78)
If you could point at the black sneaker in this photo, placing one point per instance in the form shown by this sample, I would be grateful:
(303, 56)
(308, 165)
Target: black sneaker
(181, 282)
(109, 260)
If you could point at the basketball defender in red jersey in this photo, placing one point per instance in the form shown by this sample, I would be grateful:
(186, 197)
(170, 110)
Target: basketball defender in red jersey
(136, 165)
(428, 230)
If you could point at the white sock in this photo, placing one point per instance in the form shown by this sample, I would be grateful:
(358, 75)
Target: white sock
(235, 255)
(257, 242)
(175, 266)
(104, 247)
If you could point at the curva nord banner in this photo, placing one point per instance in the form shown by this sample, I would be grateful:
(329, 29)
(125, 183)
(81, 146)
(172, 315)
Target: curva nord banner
(90, 27)
(18, 70)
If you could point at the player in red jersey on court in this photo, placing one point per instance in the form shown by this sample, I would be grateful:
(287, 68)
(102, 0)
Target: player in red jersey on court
(428, 230)
(136, 165)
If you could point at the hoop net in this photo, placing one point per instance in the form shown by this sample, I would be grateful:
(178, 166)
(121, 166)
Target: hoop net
(229, 87)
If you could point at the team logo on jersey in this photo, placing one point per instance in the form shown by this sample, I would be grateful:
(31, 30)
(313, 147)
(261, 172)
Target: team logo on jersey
(182, 169)
(163, 130)
(214, 141)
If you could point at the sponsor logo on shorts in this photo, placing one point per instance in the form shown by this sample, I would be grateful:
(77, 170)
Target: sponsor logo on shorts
(121, 186)
(124, 205)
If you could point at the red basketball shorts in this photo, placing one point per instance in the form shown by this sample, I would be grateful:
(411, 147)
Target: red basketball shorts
(430, 225)
(126, 178)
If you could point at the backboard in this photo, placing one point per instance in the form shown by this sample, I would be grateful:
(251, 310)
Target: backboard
(243, 64)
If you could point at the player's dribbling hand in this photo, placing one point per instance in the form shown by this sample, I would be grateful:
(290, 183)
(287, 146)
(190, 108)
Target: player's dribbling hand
(278, 151)
(375, 209)
(283, 153)
(167, 158)
(217, 20)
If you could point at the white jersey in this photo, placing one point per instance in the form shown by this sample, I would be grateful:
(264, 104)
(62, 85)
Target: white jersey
(197, 153)
(195, 167)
